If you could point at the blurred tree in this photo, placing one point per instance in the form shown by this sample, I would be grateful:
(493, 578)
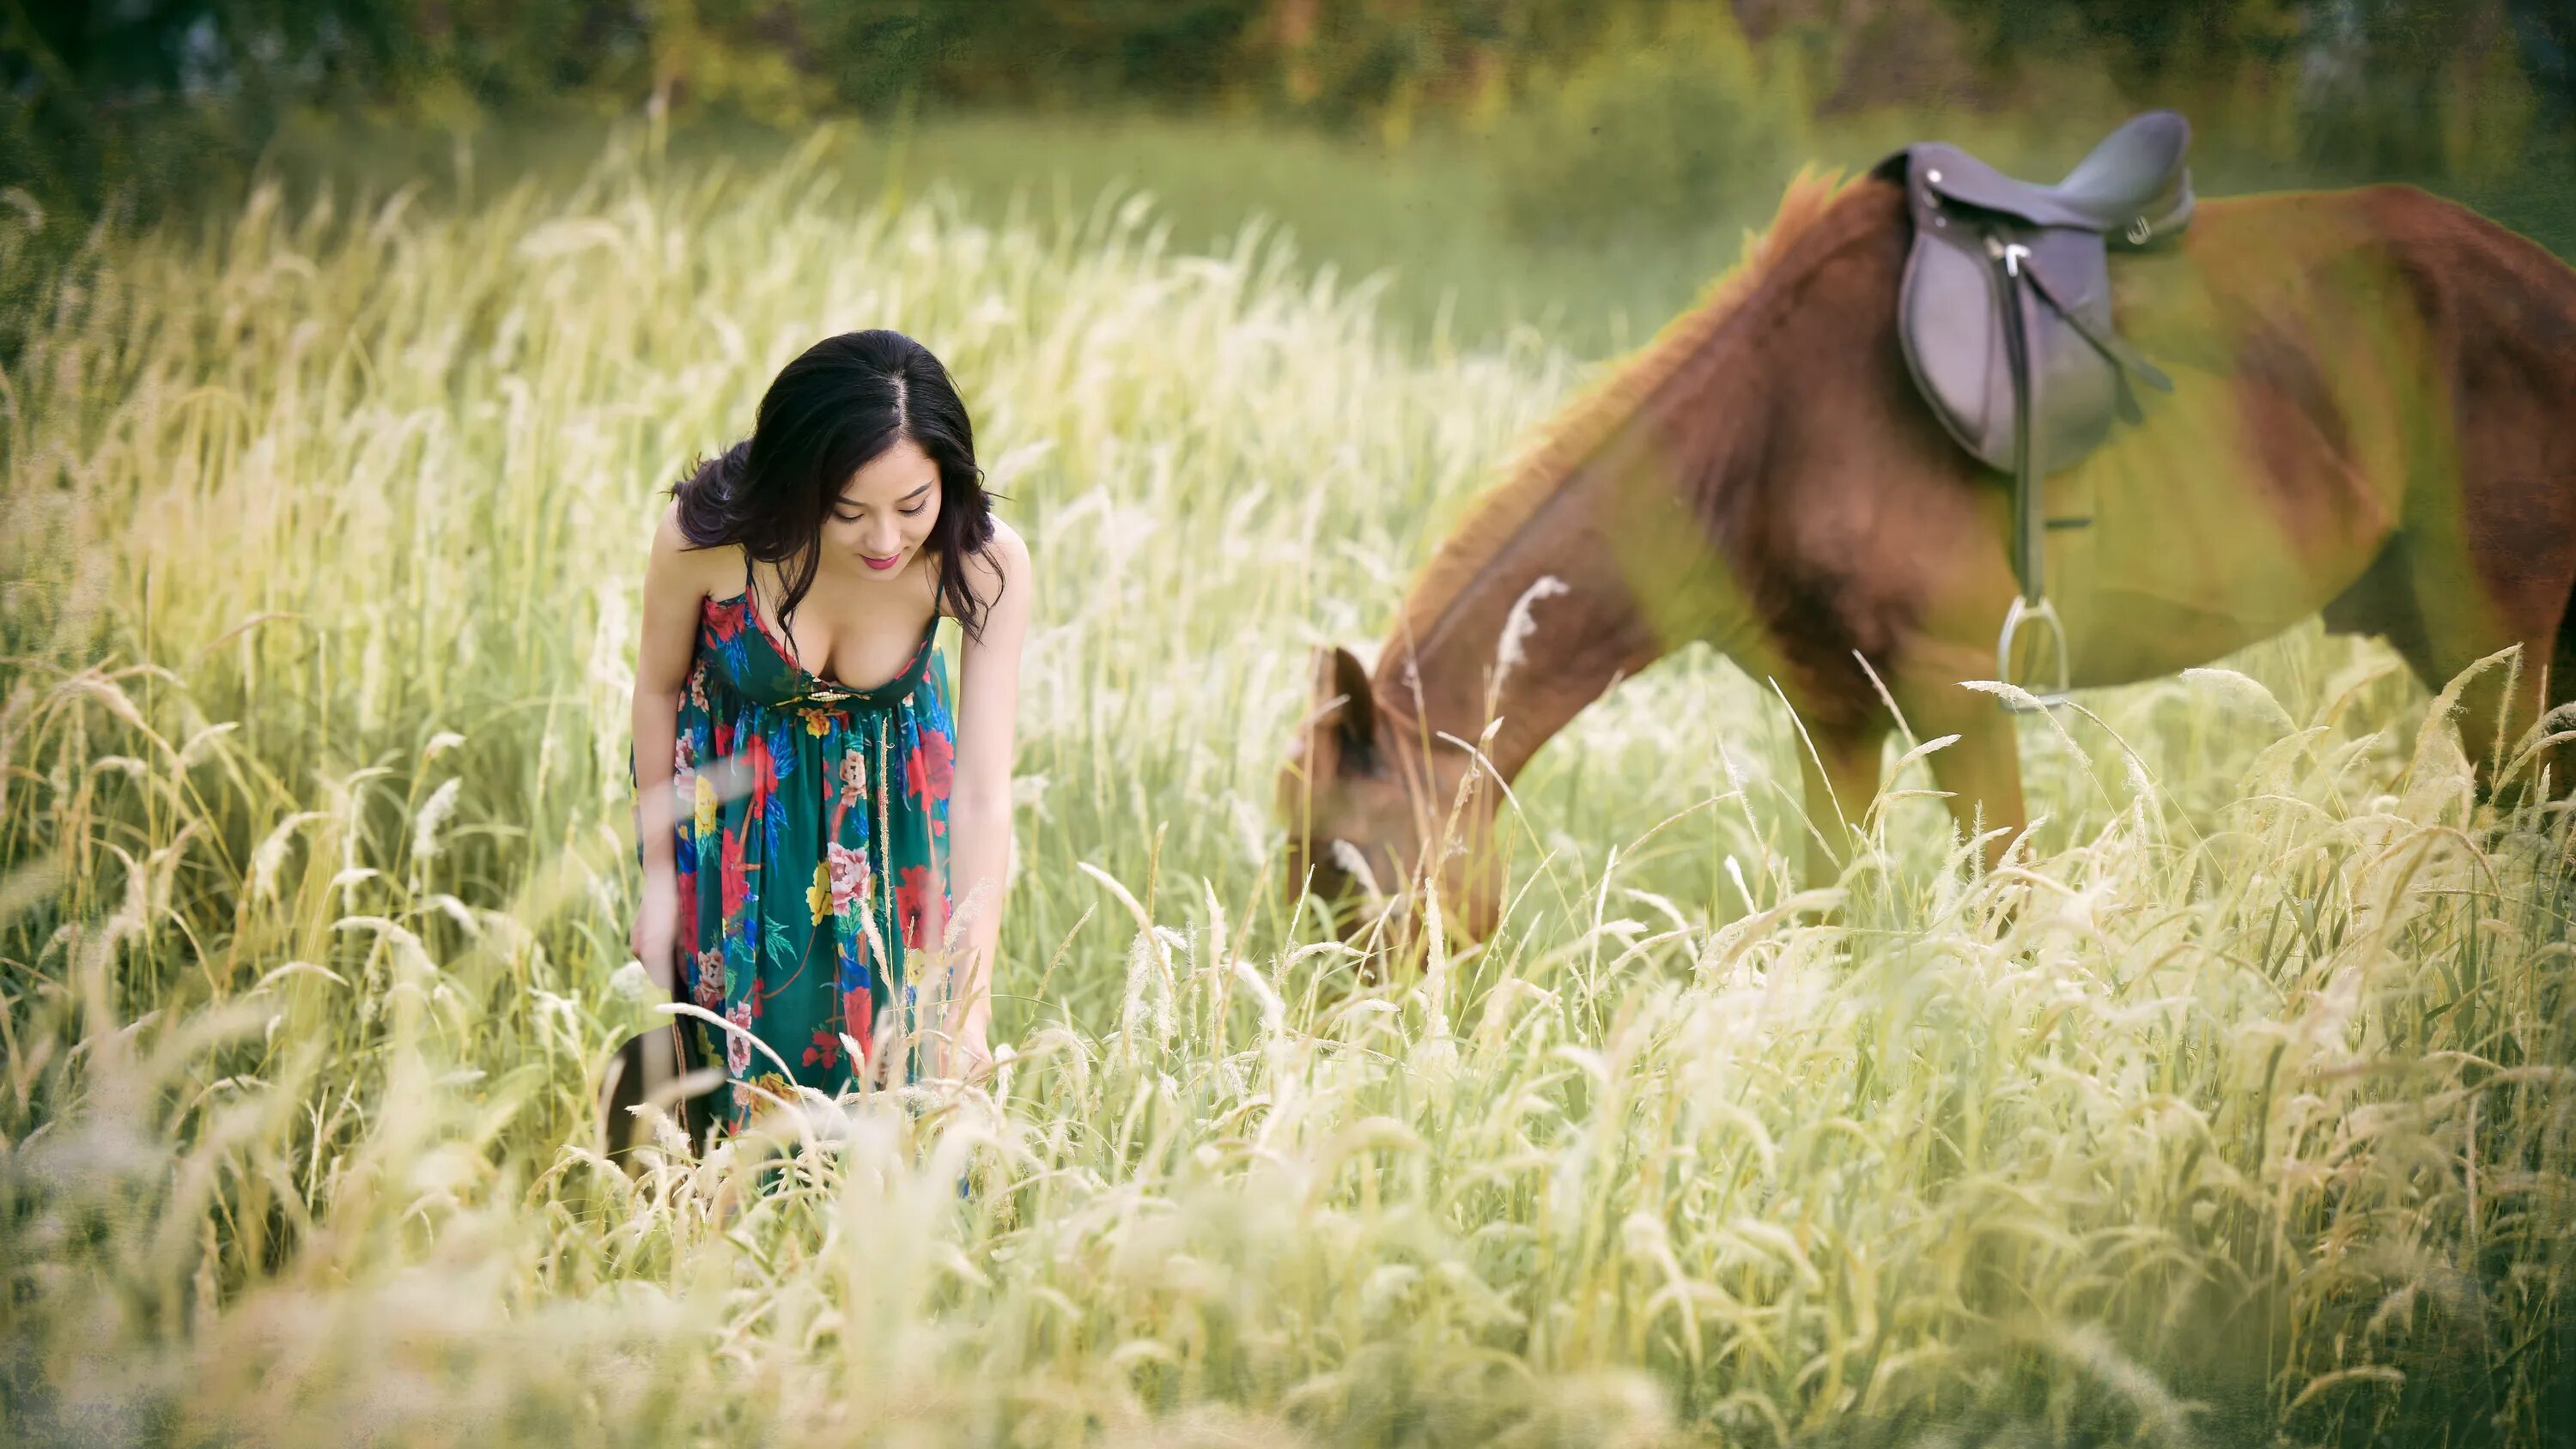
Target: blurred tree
(1858, 55)
(2545, 33)
(80, 84)
(2364, 87)
(2375, 86)
(1673, 127)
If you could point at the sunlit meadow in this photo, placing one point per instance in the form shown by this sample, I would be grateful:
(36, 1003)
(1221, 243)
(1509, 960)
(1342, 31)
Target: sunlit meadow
(2238, 1104)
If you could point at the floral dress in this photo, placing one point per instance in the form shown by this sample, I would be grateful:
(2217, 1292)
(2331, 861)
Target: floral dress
(814, 865)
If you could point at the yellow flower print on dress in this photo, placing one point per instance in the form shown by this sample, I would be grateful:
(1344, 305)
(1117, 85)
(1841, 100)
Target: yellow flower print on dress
(818, 896)
(774, 1084)
(706, 807)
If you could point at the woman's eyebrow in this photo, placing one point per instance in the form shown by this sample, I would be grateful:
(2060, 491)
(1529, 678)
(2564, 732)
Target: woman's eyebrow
(907, 498)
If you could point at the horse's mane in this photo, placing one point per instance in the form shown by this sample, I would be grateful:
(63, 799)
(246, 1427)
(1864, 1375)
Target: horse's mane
(1594, 417)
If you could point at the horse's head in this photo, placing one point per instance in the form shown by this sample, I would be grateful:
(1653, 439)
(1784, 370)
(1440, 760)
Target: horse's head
(1374, 809)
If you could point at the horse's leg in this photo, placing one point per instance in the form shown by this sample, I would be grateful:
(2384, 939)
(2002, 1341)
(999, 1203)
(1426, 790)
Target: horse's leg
(2491, 514)
(2469, 579)
(2560, 690)
(1981, 770)
(2498, 711)
(2431, 598)
(2381, 604)
(1841, 778)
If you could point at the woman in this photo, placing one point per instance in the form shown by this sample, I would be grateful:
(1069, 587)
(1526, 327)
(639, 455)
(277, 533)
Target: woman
(827, 798)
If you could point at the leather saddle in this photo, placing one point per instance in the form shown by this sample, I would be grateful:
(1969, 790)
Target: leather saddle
(2004, 313)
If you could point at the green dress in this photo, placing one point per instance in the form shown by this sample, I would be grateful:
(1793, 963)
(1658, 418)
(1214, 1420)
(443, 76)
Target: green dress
(814, 864)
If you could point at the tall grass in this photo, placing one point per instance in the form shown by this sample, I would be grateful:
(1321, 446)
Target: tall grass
(2237, 1104)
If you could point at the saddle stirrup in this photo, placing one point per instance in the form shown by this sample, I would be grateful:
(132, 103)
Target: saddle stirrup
(2032, 611)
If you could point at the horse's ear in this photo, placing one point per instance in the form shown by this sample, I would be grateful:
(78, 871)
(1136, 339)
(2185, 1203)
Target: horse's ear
(1352, 721)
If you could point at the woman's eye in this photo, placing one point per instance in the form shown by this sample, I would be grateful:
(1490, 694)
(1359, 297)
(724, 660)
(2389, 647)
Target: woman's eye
(913, 512)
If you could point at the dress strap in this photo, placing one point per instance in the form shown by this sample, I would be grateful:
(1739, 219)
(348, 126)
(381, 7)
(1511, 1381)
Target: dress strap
(751, 601)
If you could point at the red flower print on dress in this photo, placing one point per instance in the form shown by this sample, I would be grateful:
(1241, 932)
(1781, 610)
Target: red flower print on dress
(911, 898)
(737, 876)
(826, 1050)
(710, 973)
(685, 929)
(726, 619)
(764, 772)
(737, 1044)
(931, 767)
(859, 1014)
(849, 877)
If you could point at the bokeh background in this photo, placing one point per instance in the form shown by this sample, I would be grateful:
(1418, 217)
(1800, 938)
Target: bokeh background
(1534, 159)
(346, 350)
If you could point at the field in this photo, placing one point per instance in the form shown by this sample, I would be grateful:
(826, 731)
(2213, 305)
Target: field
(2237, 1106)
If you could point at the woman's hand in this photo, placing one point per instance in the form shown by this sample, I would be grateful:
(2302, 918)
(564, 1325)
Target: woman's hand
(974, 1049)
(966, 1054)
(657, 925)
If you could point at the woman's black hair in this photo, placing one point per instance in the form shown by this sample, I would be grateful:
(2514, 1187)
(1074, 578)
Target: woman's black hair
(826, 415)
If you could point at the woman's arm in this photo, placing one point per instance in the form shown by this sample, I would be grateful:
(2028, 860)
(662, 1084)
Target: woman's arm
(979, 805)
(672, 595)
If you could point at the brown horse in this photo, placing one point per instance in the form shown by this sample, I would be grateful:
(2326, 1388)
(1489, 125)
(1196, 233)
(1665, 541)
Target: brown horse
(2374, 416)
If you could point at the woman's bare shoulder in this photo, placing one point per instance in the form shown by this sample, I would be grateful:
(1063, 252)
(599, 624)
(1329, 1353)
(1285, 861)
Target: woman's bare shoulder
(992, 568)
(713, 571)
(1004, 560)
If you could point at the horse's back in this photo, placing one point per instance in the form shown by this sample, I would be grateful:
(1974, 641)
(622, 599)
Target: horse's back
(2437, 347)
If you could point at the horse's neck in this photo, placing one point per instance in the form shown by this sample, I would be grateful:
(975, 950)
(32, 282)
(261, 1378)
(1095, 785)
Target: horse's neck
(1594, 573)
(1542, 628)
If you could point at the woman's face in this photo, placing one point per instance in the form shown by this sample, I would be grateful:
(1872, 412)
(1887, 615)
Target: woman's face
(886, 509)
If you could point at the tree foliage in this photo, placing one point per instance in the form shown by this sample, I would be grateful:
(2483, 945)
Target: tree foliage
(152, 94)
